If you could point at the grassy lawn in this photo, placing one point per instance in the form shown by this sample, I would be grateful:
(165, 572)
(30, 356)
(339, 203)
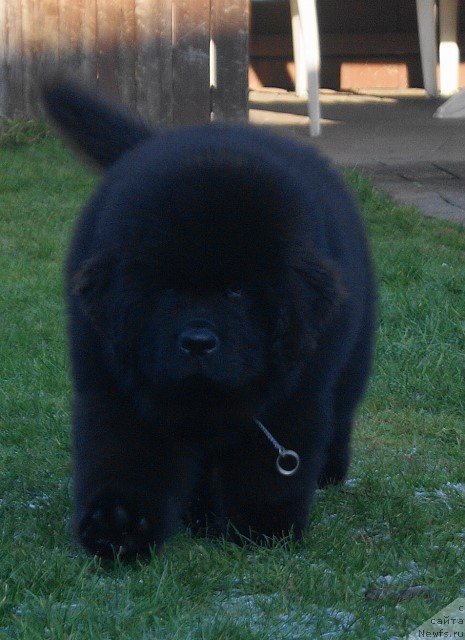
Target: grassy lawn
(399, 521)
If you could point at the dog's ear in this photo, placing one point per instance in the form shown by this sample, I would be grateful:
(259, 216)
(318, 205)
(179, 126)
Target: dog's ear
(91, 284)
(311, 298)
(97, 129)
(324, 288)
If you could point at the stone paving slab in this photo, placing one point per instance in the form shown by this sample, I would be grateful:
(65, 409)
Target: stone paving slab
(425, 173)
(455, 168)
(433, 188)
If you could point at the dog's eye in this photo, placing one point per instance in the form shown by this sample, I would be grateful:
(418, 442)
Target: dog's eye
(234, 293)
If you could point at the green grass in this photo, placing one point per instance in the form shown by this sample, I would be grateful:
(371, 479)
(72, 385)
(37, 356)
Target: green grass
(399, 522)
(18, 133)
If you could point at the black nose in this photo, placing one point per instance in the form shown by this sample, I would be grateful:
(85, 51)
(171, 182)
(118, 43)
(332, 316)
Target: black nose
(198, 341)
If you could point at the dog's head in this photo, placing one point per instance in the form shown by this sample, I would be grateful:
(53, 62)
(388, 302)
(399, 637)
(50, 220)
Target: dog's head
(200, 273)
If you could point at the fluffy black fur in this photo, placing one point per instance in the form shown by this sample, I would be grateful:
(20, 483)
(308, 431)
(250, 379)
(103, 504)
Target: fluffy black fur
(219, 273)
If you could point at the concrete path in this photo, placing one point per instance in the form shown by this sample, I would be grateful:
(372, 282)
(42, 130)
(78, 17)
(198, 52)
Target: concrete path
(391, 138)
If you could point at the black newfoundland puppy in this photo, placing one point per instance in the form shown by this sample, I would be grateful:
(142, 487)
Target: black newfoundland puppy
(221, 313)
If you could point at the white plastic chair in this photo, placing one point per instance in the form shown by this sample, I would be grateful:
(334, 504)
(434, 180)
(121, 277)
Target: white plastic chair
(306, 45)
(449, 57)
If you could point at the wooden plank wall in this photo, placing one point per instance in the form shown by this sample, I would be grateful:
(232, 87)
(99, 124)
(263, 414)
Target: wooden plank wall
(191, 60)
(230, 35)
(152, 55)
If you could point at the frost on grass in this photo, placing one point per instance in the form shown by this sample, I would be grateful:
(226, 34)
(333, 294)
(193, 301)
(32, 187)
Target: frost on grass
(446, 492)
(413, 573)
(384, 631)
(352, 482)
(37, 501)
(380, 532)
(268, 616)
(459, 487)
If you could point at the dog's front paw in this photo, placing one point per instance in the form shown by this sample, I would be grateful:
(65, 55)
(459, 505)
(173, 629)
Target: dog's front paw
(334, 473)
(114, 526)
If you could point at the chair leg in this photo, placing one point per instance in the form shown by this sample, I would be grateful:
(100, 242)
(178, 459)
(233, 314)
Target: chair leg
(311, 46)
(299, 53)
(449, 57)
(426, 16)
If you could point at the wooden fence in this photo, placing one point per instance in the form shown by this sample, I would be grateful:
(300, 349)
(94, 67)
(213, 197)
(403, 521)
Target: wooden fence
(152, 55)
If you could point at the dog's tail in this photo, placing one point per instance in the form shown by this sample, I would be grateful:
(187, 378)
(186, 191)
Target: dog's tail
(96, 128)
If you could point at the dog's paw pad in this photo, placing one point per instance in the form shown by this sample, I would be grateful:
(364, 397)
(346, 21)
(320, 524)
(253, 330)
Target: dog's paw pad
(113, 527)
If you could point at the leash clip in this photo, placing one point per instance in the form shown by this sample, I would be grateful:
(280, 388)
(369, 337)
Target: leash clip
(283, 454)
